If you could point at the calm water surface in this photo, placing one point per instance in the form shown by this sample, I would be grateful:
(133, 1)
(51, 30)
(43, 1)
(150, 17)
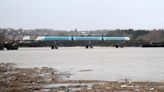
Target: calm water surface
(99, 63)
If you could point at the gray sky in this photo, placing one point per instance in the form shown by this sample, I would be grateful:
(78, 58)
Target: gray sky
(82, 14)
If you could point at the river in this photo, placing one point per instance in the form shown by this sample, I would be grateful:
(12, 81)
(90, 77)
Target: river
(99, 63)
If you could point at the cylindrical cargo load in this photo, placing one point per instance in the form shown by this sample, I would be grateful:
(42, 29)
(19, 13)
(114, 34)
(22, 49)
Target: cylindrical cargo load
(78, 38)
(57, 38)
(116, 38)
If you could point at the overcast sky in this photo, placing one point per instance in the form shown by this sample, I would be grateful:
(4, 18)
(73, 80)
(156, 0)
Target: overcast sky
(82, 14)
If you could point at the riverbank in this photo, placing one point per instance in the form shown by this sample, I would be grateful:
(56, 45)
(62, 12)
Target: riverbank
(44, 79)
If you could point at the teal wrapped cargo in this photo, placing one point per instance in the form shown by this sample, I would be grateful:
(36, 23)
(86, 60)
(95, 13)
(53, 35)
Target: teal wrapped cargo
(115, 38)
(78, 38)
(57, 38)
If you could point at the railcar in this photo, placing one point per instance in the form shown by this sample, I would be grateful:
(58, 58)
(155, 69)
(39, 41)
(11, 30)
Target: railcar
(78, 38)
(56, 38)
(115, 38)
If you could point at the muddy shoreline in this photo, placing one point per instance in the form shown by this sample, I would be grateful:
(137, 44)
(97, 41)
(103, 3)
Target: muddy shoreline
(45, 79)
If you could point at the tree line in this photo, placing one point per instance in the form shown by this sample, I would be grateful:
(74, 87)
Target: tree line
(156, 35)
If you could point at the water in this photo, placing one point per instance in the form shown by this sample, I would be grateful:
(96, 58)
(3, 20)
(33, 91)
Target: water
(99, 63)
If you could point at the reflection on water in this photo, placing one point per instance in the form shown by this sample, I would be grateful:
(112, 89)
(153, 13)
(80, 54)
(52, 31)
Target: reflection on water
(102, 63)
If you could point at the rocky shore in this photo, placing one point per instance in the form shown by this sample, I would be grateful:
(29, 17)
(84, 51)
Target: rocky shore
(14, 79)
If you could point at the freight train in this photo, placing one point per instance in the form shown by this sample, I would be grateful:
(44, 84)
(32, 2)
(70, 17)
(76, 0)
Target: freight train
(80, 38)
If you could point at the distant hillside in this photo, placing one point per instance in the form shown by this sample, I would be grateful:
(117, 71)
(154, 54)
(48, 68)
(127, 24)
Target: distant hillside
(156, 36)
(146, 35)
